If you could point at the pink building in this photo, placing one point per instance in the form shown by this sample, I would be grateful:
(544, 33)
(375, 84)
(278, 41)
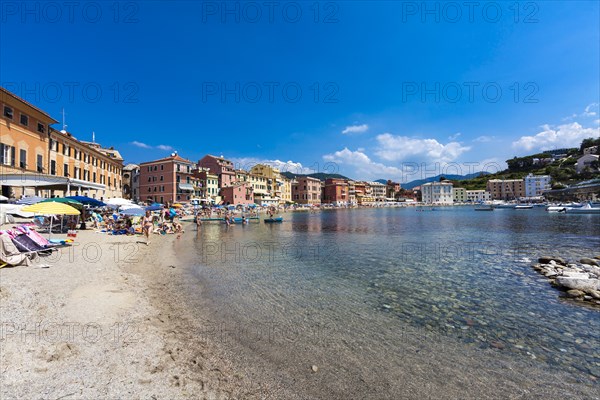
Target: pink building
(168, 180)
(306, 190)
(240, 193)
(221, 167)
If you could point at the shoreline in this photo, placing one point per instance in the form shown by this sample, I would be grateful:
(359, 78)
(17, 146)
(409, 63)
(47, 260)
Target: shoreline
(132, 322)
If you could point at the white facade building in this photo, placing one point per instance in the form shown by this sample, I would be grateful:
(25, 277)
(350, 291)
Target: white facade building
(378, 191)
(477, 196)
(536, 185)
(437, 193)
(586, 161)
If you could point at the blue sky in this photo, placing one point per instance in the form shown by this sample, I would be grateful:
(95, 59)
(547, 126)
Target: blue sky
(367, 89)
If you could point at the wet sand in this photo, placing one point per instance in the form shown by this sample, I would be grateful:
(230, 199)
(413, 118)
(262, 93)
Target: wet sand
(114, 318)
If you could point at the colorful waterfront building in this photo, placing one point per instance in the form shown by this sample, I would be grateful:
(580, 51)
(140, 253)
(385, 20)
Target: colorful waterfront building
(379, 191)
(36, 159)
(478, 196)
(392, 189)
(459, 194)
(437, 193)
(536, 185)
(238, 193)
(221, 167)
(209, 185)
(131, 182)
(306, 190)
(506, 189)
(171, 179)
(336, 191)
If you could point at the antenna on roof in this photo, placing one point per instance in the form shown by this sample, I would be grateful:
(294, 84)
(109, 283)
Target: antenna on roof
(64, 129)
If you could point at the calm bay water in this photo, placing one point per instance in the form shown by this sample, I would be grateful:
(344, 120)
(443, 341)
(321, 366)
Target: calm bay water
(347, 288)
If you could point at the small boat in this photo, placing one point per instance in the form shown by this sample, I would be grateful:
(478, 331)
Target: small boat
(484, 208)
(273, 219)
(523, 206)
(504, 205)
(586, 209)
(556, 208)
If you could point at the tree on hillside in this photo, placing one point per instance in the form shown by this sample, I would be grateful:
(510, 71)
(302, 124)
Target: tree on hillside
(589, 142)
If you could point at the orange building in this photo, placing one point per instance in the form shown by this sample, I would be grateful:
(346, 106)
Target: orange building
(36, 159)
(169, 180)
(336, 191)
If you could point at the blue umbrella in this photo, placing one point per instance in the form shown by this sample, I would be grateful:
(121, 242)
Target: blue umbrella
(154, 207)
(30, 200)
(134, 211)
(87, 200)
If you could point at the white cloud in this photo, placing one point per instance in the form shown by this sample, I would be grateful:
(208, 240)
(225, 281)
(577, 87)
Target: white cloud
(484, 139)
(397, 148)
(356, 129)
(454, 137)
(140, 144)
(587, 112)
(566, 135)
(162, 147)
(246, 163)
(363, 166)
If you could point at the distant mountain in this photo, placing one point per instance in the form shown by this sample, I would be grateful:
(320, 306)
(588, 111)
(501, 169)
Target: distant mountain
(319, 175)
(419, 182)
(384, 181)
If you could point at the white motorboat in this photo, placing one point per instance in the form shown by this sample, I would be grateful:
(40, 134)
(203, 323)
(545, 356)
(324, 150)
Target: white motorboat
(586, 209)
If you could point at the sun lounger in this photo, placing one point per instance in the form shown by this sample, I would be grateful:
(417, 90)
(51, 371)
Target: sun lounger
(9, 253)
(27, 245)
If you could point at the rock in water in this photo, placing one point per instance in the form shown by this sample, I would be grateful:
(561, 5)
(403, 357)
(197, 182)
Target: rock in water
(579, 283)
(595, 294)
(575, 293)
(547, 259)
(590, 261)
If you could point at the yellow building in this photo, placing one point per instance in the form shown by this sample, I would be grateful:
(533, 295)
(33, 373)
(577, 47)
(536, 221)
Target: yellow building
(279, 188)
(38, 160)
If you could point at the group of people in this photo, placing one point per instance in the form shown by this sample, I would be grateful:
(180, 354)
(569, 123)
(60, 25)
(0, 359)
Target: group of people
(167, 222)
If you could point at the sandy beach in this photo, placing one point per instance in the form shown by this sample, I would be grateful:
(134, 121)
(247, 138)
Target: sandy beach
(105, 321)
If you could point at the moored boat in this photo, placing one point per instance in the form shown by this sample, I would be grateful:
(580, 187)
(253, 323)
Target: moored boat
(523, 207)
(273, 219)
(586, 209)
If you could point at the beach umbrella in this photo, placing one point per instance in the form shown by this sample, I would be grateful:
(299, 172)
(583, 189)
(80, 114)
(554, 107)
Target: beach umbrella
(116, 202)
(177, 205)
(64, 200)
(133, 211)
(30, 200)
(51, 208)
(154, 207)
(87, 201)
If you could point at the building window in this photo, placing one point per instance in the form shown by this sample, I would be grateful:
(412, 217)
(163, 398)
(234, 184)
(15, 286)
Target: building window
(8, 112)
(24, 120)
(66, 169)
(7, 155)
(162, 167)
(40, 163)
(161, 178)
(23, 158)
(53, 167)
(94, 177)
(41, 128)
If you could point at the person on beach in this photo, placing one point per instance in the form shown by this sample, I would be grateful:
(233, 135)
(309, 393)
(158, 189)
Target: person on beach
(147, 224)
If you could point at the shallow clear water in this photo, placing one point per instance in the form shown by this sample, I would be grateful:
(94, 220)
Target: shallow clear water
(354, 282)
